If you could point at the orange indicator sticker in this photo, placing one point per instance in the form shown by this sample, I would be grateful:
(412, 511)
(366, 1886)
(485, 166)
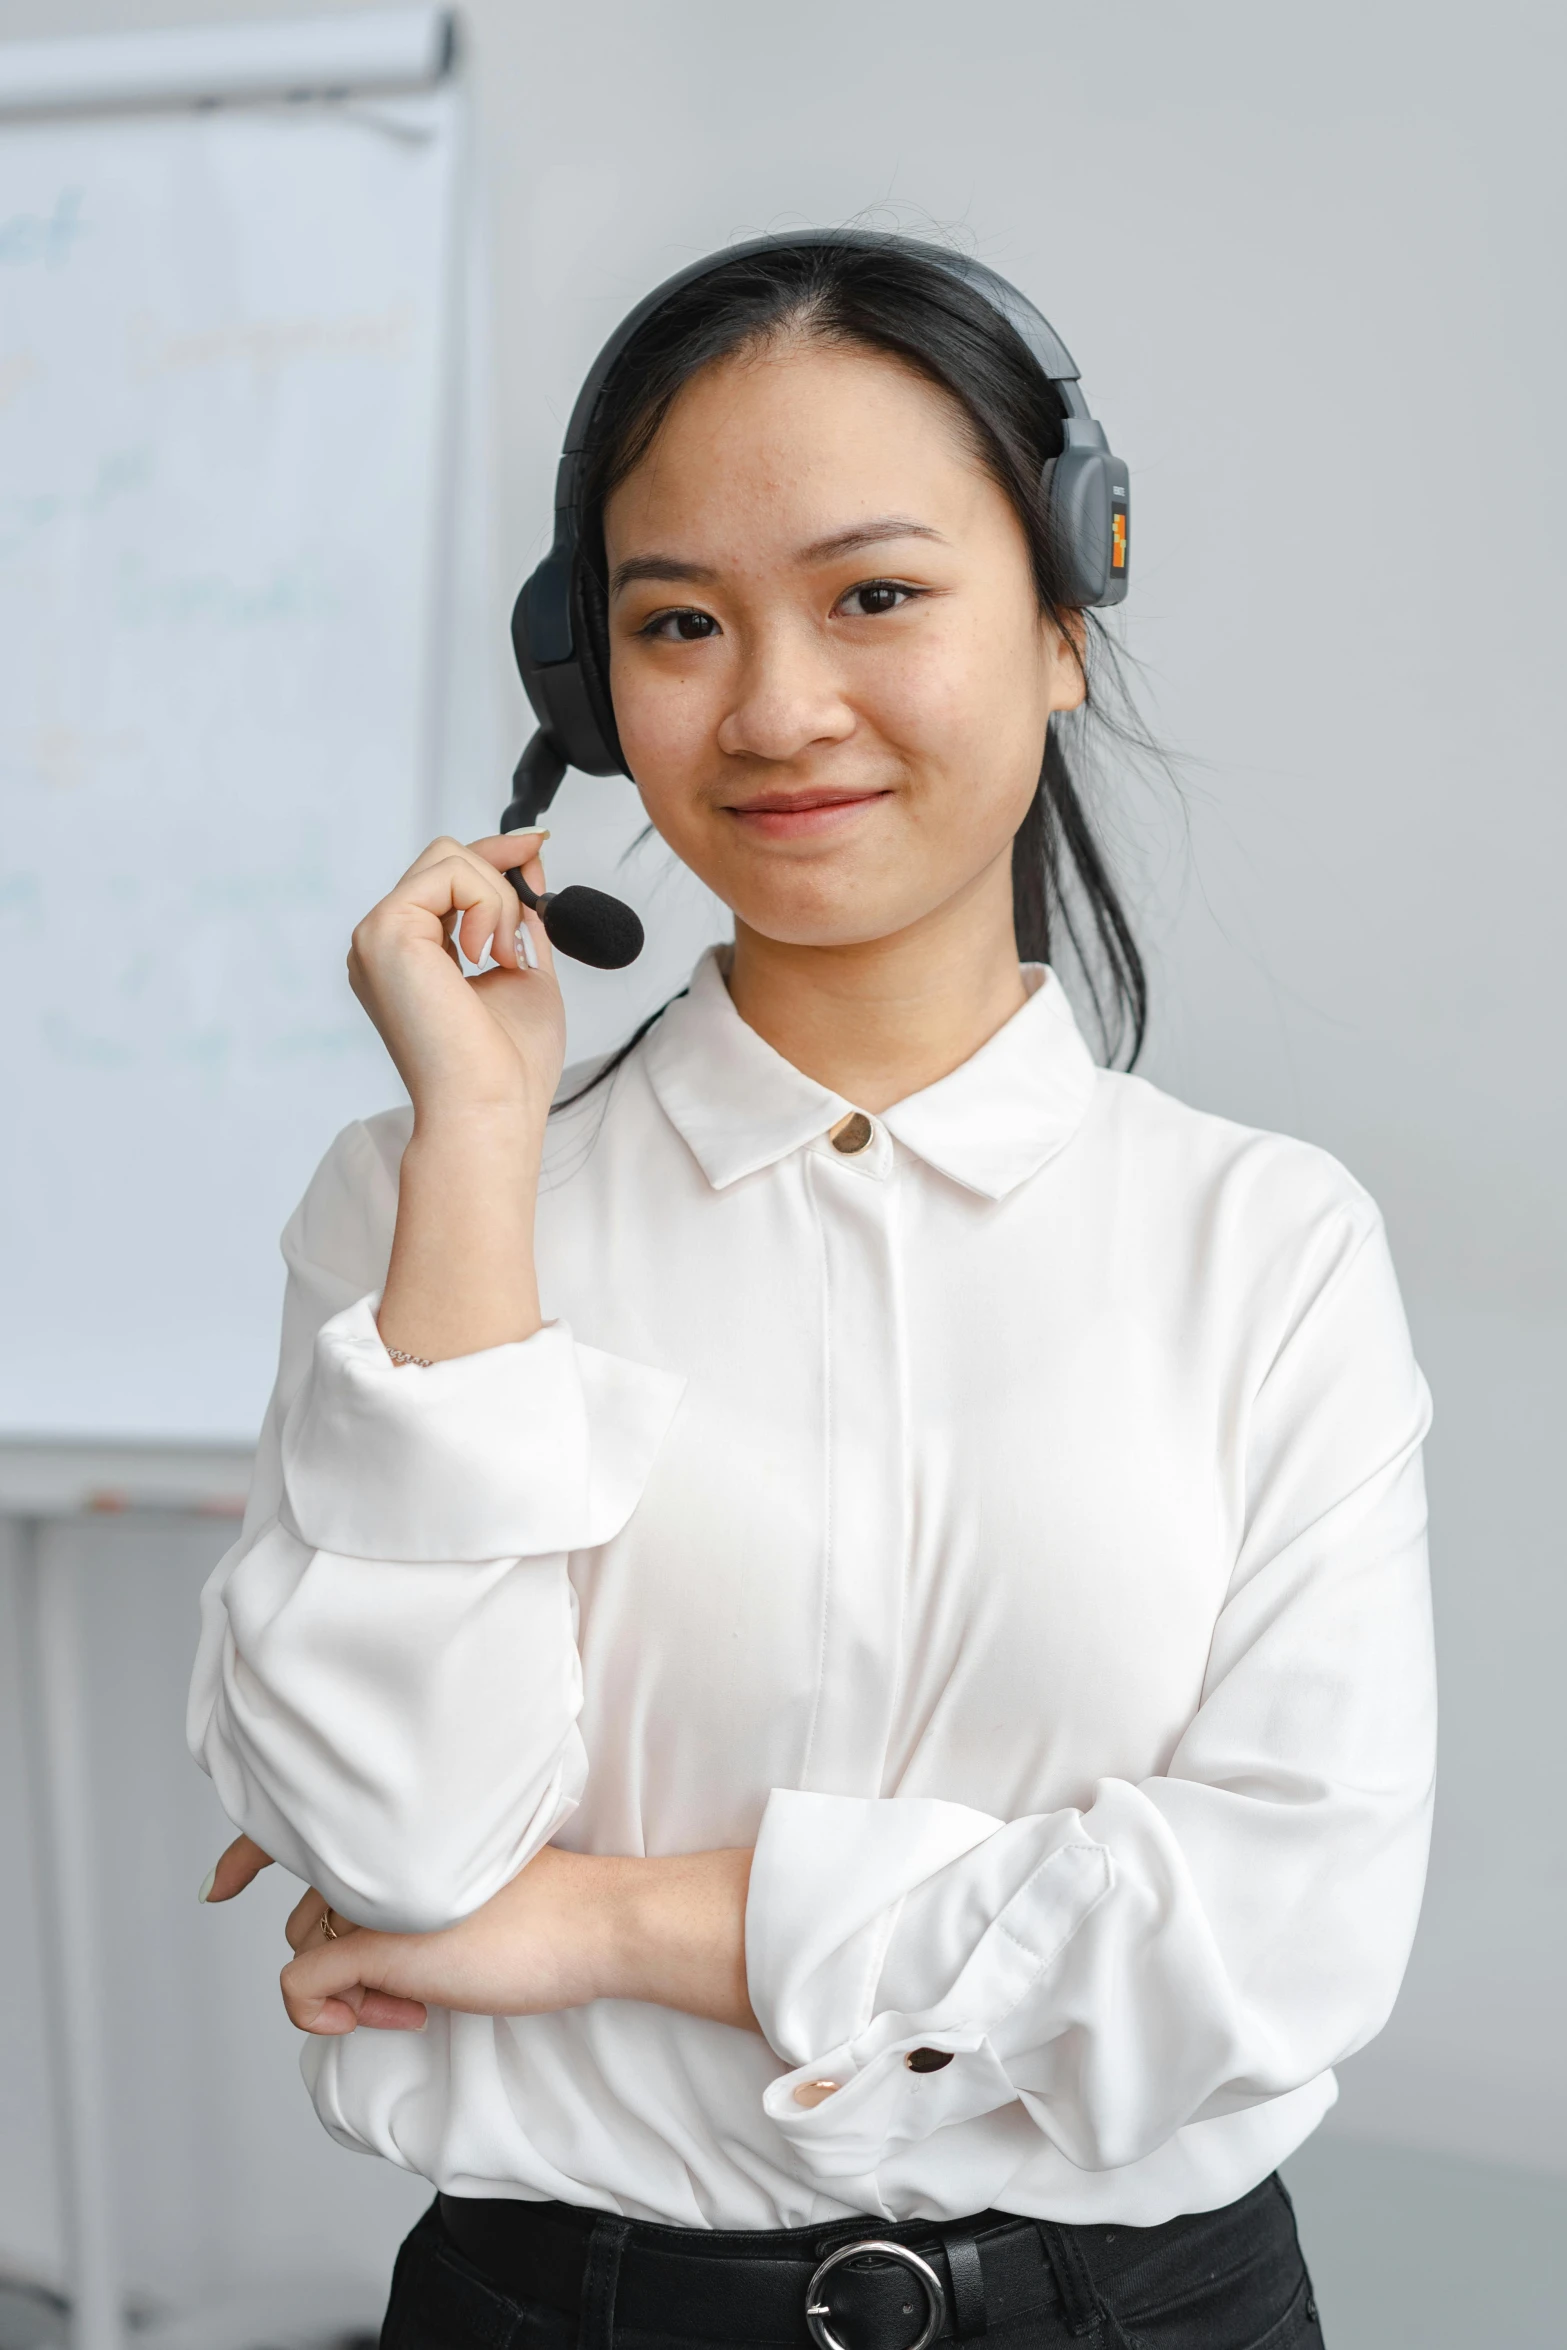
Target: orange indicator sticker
(1118, 542)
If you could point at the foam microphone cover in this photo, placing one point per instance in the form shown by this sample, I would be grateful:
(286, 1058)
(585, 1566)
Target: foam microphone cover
(592, 927)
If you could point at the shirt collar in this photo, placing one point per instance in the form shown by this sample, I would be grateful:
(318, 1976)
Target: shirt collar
(990, 1124)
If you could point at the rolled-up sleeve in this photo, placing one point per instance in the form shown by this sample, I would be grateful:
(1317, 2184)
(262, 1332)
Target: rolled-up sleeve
(1193, 1944)
(387, 1687)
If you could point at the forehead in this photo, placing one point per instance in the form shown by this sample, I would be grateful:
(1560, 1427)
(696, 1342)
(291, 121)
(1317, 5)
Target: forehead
(804, 436)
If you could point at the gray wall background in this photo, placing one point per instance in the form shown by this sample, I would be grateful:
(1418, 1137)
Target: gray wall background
(1309, 261)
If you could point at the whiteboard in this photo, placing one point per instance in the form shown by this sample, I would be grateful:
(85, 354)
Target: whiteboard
(227, 360)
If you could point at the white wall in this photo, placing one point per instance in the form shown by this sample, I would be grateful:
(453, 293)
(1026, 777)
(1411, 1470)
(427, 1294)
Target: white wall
(1308, 260)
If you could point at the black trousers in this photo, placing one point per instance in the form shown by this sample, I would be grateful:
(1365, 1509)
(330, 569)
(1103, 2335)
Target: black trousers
(1231, 2279)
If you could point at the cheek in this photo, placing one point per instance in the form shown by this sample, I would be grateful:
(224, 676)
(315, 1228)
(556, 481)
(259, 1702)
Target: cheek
(666, 721)
(667, 726)
(963, 694)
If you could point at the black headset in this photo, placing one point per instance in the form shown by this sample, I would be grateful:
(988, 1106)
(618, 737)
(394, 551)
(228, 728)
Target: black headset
(1086, 497)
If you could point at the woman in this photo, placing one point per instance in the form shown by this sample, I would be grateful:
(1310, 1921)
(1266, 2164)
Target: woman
(839, 1628)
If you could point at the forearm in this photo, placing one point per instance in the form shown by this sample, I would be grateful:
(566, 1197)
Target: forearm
(676, 1934)
(461, 1277)
(570, 1928)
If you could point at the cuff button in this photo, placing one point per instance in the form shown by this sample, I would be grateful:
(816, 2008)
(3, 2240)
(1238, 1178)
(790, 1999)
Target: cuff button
(811, 2093)
(927, 2060)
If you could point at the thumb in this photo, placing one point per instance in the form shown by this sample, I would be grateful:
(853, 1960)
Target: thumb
(243, 1861)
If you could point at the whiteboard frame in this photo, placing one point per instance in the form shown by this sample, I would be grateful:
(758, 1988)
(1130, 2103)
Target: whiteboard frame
(380, 49)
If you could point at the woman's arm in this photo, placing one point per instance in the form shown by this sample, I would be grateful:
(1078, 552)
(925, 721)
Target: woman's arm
(387, 1688)
(481, 1058)
(571, 1928)
(1206, 1939)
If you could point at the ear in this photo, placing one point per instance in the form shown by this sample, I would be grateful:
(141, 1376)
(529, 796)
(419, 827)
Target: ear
(1066, 651)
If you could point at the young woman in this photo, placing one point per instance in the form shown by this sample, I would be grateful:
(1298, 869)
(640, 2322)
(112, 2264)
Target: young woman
(839, 1626)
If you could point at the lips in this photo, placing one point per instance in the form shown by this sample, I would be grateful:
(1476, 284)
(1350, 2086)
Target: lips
(793, 815)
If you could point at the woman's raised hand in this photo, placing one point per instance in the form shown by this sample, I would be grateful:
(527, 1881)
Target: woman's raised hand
(481, 1058)
(464, 1047)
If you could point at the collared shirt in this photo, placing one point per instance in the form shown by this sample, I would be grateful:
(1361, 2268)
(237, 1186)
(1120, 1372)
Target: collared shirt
(1012, 1527)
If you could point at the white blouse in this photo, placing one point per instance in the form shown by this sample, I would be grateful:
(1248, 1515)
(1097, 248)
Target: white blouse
(1014, 1529)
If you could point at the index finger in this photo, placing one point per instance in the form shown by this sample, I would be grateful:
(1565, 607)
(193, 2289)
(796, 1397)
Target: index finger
(450, 878)
(506, 849)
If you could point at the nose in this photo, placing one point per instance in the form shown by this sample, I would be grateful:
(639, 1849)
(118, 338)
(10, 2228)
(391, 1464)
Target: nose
(788, 696)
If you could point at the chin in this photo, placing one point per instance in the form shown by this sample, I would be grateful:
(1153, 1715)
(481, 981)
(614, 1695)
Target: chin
(789, 923)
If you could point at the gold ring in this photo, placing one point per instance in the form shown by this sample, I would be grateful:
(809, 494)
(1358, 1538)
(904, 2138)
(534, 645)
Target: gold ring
(329, 1932)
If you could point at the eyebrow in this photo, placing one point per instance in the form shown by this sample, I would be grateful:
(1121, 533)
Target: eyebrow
(867, 534)
(664, 567)
(672, 570)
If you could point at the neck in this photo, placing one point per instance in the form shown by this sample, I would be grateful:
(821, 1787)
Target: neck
(885, 1017)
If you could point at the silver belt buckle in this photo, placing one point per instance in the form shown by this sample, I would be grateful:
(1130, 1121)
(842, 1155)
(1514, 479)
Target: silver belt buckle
(817, 2312)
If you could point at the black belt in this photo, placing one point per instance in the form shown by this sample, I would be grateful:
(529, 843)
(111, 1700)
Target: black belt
(849, 2285)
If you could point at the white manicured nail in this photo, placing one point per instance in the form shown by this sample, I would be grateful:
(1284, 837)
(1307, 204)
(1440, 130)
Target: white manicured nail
(208, 1881)
(524, 960)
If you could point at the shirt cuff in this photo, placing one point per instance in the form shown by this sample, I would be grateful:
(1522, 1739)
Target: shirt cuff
(831, 1881)
(522, 1451)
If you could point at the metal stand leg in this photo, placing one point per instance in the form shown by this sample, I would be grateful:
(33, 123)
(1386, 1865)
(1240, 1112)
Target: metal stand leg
(62, 1800)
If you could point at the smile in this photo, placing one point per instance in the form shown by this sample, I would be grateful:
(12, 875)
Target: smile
(799, 815)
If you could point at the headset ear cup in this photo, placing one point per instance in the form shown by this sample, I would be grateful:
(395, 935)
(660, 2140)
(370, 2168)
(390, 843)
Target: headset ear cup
(592, 633)
(549, 637)
(541, 641)
(1087, 505)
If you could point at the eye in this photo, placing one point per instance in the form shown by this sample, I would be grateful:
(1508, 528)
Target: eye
(683, 627)
(872, 597)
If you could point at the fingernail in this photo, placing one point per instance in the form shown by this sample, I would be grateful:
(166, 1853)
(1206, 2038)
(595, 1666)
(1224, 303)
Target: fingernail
(208, 1881)
(520, 942)
(544, 836)
(487, 949)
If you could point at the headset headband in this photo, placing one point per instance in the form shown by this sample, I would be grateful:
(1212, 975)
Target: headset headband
(1085, 489)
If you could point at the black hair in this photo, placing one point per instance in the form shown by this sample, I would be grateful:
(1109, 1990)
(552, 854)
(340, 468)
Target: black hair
(886, 296)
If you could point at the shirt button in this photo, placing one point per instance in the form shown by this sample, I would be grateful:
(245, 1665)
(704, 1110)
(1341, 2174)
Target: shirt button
(852, 1134)
(927, 2060)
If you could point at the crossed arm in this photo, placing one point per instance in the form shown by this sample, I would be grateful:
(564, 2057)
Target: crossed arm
(570, 1928)
(481, 1058)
